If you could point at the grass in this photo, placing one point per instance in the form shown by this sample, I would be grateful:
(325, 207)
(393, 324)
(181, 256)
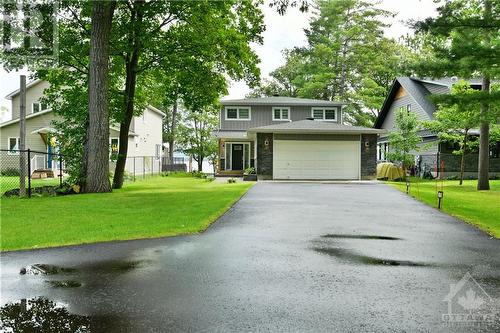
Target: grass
(480, 208)
(8, 183)
(155, 207)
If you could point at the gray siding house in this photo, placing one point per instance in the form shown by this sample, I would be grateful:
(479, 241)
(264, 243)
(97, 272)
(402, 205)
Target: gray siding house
(293, 138)
(412, 95)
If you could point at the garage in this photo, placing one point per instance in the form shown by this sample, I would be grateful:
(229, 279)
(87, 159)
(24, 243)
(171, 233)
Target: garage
(306, 159)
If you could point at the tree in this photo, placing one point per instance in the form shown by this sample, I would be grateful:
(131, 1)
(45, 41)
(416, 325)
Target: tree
(453, 123)
(347, 58)
(196, 134)
(464, 37)
(404, 139)
(148, 34)
(96, 151)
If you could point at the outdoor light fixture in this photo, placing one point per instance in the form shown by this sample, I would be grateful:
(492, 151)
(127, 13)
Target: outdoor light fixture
(440, 197)
(407, 186)
(266, 142)
(367, 144)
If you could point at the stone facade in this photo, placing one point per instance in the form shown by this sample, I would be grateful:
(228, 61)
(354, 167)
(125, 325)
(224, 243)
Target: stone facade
(265, 155)
(368, 156)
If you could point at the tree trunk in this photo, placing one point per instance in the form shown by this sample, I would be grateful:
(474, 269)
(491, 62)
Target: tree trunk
(131, 66)
(171, 141)
(462, 162)
(97, 142)
(483, 182)
(200, 163)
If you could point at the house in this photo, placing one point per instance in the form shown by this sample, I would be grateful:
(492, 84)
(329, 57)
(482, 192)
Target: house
(293, 138)
(145, 136)
(412, 95)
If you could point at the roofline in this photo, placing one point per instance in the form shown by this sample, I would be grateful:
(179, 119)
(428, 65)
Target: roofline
(383, 111)
(17, 91)
(152, 108)
(430, 81)
(318, 131)
(32, 115)
(237, 102)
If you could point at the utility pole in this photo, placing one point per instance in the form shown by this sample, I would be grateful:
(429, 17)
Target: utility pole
(22, 137)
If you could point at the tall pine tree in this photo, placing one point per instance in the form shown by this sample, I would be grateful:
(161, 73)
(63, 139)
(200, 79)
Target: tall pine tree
(465, 37)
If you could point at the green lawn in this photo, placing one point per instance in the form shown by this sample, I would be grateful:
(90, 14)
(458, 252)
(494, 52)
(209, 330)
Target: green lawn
(156, 207)
(8, 183)
(480, 208)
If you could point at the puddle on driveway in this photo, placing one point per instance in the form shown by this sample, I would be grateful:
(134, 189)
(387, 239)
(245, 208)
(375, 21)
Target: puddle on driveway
(44, 269)
(41, 315)
(355, 258)
(340, 236)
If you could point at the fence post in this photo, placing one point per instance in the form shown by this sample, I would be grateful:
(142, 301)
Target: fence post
(60, 170)
(134, 169)
(29, 173)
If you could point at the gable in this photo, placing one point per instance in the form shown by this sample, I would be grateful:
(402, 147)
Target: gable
(400, 93)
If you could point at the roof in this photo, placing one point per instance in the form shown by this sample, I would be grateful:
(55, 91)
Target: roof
(230, 134)
(315, 126)
(152, 108)
(415, 88)
(28, 85)
(281, 101)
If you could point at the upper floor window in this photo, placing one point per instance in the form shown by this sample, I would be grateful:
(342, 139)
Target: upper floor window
(281, 113)
(14, 146)
(37, 107)
(329, 114)
(406, 108)
(237, 113)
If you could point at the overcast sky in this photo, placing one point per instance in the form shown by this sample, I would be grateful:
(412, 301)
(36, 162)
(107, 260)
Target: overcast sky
(281, 32)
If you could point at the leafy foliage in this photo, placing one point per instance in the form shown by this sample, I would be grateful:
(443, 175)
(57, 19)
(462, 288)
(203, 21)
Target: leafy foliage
(404, 139)
(347, 58)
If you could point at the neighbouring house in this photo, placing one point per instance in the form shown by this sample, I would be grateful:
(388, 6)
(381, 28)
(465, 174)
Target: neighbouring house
(293, 138)
(144, 141)
(412, 95)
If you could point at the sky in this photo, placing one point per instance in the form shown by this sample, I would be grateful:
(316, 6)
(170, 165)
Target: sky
(282, 32)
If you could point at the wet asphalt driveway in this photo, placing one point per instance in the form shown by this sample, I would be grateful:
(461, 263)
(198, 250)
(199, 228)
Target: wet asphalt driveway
(288, 257)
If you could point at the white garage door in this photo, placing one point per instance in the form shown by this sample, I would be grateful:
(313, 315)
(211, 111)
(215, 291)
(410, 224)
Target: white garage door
(316, 159)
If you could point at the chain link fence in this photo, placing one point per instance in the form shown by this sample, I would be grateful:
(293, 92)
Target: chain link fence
(23, 171)
(448, 165)
(42, 169)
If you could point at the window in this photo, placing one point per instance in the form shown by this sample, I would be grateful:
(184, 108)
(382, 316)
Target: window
(14, 146)
(329, 114)
(281, 113)
(406, 108)
(37, 107)
(238, 113)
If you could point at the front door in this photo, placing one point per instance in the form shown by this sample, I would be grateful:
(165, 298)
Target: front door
(237, 156)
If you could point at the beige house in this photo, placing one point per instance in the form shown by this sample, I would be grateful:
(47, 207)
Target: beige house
(144, 141)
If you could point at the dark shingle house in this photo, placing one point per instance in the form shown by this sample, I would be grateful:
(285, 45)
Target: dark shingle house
(293, 138)
(412, 94)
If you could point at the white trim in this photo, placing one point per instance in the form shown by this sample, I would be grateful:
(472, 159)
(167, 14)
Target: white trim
(336, 109)
(281, 108)
(152, 108)
(231, 153)
(31, 115)
(238, 113)
(18, 143)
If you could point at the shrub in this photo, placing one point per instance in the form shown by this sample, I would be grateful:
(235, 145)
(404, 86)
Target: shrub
(231, 181)
(249, 171)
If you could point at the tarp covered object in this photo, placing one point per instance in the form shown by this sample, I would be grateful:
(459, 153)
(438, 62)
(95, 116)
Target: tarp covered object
(389, 171)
